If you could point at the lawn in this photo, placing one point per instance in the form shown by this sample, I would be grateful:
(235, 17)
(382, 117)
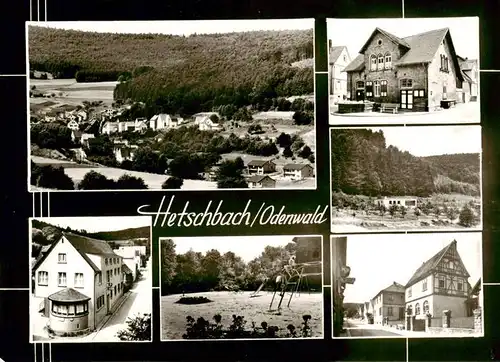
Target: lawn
(173, 315)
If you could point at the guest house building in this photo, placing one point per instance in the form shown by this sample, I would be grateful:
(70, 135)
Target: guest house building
(418, 73)
(389, 304)
(78, 280)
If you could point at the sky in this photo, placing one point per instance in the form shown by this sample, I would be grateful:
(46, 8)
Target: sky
(101, 223)
(246, 247)
(353, 33)
(181, 27)
(433, 140)
(378, 260)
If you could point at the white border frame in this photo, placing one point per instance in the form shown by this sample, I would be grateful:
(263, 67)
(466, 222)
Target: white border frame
(409, 337)
(69, 341)
(478, 227)
(367, 121)
(247, 339)
(315, 153)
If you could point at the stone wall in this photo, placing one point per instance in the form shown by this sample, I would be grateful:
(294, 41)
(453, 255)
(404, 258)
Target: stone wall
(442, 331)
(478, 320)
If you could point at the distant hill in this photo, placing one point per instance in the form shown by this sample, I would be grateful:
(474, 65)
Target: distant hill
(178, 73)
(362, 164)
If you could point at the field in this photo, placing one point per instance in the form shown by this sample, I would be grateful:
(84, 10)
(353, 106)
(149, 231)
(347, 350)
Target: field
(350, 219)
(173, 315)
(68, 91)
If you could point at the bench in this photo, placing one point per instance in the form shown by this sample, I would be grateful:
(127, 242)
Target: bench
(447, 103)
(389, 108)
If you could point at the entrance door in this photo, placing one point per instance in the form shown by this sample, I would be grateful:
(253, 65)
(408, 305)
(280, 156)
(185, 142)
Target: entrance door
(107, 303)
(401, 313)
(407, 99)
(360, 95)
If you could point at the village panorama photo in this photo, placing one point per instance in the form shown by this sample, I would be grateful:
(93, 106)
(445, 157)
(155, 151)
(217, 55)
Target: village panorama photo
(419, 70)
(407, 285)
(91, 279)
(406, 178)
(189, 105)
(256, 287)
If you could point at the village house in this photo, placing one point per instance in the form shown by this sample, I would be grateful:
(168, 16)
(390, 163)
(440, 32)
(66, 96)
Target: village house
(470, 72)
(440, 284)
(298, 171)
(340, 278)
(389, 304)
(77, 282)
(109, 127)
(406, 201)
(164, 121)
(73, 125)
(339, 59)
(124, 151)
(131, 257)
(261, 181)
(141, 125)
(417, 73)
(261, 167)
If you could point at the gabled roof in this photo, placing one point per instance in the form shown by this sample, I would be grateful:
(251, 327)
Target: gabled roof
(391, 37)
(394, 288)
(84, 246)
(126, 269)
(259, 178)
(428, 267)
(296, 166)
(335, 52)
(68, 295)
(357, 65)
(476, 288)
(259, 162)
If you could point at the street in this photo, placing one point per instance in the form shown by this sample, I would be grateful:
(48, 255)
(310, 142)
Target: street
(461, 113)
(360, 329)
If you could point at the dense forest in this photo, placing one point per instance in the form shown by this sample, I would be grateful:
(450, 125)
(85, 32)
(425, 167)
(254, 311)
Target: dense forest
(181, 74)
(202, 272)
(362, 164)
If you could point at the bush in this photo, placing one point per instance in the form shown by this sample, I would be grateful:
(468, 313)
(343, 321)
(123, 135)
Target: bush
(128, 182)
(172, 183)
(467, 217)
(139, 329)
(96, 181)
(193, 300)
(50, 177)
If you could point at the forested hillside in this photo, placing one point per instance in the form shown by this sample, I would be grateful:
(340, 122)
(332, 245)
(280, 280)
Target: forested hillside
(362, 164)
(178, 73)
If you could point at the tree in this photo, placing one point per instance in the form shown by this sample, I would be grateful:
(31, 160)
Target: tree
(305, 152)
(284, 140)
(403, 211)
(128, 182)
(287, 152)
(467, 217)
(451, 213)
(172, 183)
(311, 158)
(303, 118)
(437, 211)
(138, 329)
(417, 212)
(168, 264)
(96, 181)
(392, 209)
(230, 174)
(51, 177)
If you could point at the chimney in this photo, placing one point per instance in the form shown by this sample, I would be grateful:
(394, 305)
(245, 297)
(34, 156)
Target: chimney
(329, 44)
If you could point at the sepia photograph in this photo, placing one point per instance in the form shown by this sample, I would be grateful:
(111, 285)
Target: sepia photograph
(189, 105)
(419, 70)
(421, 178)
(408, 285)
(216, 288)
(91, 279)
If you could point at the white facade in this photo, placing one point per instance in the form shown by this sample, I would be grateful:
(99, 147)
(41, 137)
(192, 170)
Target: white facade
(338, 77)
(409, 202)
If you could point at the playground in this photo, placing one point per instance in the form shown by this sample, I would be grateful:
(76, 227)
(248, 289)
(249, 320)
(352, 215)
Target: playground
(253, 309)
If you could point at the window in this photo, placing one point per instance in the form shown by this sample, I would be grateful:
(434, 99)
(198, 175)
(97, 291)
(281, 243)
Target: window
(389, 311)
(380, 311)
(369, 89)
(377, 88)
(61, 258)
(451, 265)
(43, 278)
(418, 93)
(380, 62)
(383, 88)
(108, 276)
(379, 42)
(406, 83)
(391, 297)
(78, 280)
(444, 92)
(61, 279)
(373, 63)
(460, 286)
(417, 309)
(100, 302)
(360, 85)
(409, 293)
(409, 310)
(388, 61)
(444, 64)
(105, 261)
(441, 283)
(115, 289)
(345, 58)
(426, 307)
(337, 86)
(99, 278)
(424, 285)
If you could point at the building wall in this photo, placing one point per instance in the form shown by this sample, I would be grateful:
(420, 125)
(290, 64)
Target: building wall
(418, 74)
(339, 252)
(455, 304)
(338, 78)
(74, 264)
(72, 324)
(438, 79)
(416, 290)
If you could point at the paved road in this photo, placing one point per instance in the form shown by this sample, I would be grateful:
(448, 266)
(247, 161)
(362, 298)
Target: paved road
(362, 330)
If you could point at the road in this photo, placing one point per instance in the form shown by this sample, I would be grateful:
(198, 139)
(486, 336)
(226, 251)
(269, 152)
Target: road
(360, 329)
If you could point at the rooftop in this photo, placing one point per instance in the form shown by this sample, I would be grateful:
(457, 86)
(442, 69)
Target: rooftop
(68, 295)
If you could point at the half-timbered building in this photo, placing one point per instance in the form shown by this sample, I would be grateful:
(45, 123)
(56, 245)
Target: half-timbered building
(440, 284)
